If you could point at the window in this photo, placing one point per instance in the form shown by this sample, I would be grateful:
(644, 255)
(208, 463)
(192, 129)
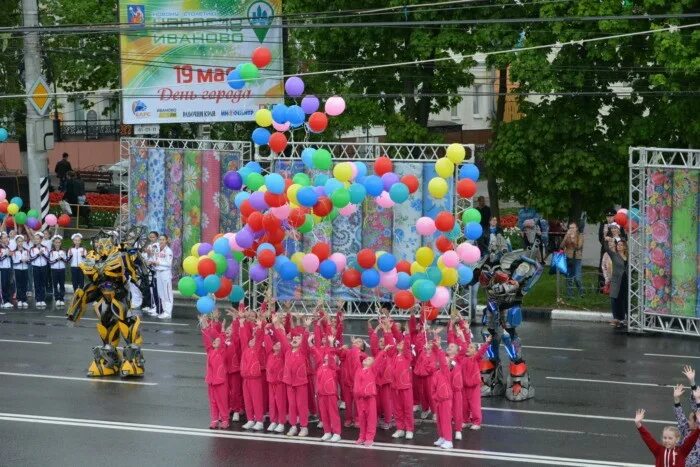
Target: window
(78, 111)
(476, 101)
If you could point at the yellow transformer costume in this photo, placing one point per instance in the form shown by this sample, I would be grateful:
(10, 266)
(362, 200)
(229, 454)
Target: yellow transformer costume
(108, 268)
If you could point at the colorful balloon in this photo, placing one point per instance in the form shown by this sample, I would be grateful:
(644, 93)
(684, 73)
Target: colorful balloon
(438, 187)
(455, 153)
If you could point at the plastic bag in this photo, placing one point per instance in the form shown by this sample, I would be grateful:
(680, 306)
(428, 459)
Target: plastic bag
(558, 263)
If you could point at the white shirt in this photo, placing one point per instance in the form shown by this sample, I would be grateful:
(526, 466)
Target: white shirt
(76, 256)
(20, 258)
(38, 255)
(5, 257)
(164, 259)
(57, 259)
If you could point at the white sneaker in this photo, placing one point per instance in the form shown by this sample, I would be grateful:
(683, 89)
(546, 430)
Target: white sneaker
(7, 305)
(399, 434)
(475, 427)
(272, 427)
(25, 305)
(466, 425)
(293, 431)
(145, 309)
(320, 425)
(248, 425)
(341, 405)
(303, 432)
(458, 435)
(236, 417)
(335, 438)
(435, 417)
(424, 415)
(409, 435)
(447, 445)
(164, 316)
(416, 408)
(258, 426)
(280, 428)
(326, 437)
(439, 442)
(151, 312)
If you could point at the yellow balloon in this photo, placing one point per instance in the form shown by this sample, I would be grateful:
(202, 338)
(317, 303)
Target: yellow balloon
(12, 209)
(296, 259)
(444, 167)
(416, 268)
(342, 171)
(440, 264)
(194, 251)
(292, 193)
(262, 189)
(456, 153)
(425, 256)
(449, 277)
(263, 117)
(438, 188)
(190, 265)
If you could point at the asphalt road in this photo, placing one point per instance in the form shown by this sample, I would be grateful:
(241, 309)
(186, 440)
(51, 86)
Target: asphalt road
(589, 381)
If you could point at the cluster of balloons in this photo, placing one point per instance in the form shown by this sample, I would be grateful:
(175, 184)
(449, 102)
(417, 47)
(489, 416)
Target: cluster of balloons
(445, 169)
(627, 219)
(31, 218)
(250, 71)
(304, 113)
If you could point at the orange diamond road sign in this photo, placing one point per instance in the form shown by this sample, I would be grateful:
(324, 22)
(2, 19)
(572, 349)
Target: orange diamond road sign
(39, 96)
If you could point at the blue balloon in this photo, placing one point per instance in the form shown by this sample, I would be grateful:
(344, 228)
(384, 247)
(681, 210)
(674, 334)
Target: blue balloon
(222, 246)
(370, 278)
(3, 135)
(455, 233)
(473, 231)
(357, 193)
(307, 157)
(240, 197)
(280, 261)
(424, 290)
(398, 192)
(260, 136)
(234, 79)
(327, 269)
(320, 180)
(200, 291)
(254, 167)
(331, 185)
(244, 172)
(236, 294)
(361, 169)
(265, 246)
(464, 274)
(434, 274)
(288, 271)
(307, 197)
(212, 283)
(295, 115)
(403, 282)
(373, 185)
(470, 171)
(274, 183)
(386, 262)
(206, 305)
(18, 201)
(279, 113)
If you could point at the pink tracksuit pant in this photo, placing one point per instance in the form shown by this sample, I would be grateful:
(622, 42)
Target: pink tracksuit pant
(458, 409)
(253, 398)
(278, 402)
(444, 419)
(472, 404)
(235, 392)
(350, 411)
(298, 402)
(403, 409)
(330, 415)
(385, 402)
(367, 416)
(218, 402)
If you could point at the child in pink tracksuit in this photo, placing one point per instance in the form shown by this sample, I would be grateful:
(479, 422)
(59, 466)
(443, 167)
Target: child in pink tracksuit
(233, 369)
(442, 397)
(402, 385)
(277, 390)
(364, 391)
(422, 366)
(216, 385)
(327, 386)
(471, 375)
(351, 361)
(251, 373)
(295, 377)
(383, 370)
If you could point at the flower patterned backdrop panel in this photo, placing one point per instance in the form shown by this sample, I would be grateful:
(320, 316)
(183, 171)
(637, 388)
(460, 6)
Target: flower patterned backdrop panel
(657, 271)
(347, 239)
(192, 203)
(138, 185)
(230, 160)
(406, 239)
(156, 190)
(684, 240)
(173, 198)
(211, 181)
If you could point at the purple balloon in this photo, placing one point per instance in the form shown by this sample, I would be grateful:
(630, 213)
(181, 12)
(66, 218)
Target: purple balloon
(257, 201)
(320, 191)
(257, 272)
(389, 179)
(294, 86)
(33, 223)
(233, 180)
(244, 239)
(231, 269)
(204, 249)
(310, 104)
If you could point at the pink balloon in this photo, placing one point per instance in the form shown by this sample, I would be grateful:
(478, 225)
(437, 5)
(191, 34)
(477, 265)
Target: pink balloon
(450, 259)
(3, 195)
(384, 200)
(229, 235)
(441, 297)
(340, 261)
(353, 169)
(232, 243)
(281, 212)
(335, 106)
(425, 226)
(50, 220)
(388, 279)
(470, 254)
(348, 210)
(310, 263)
(281, 126)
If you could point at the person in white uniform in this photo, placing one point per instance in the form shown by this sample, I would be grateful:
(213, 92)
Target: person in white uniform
(20, 265)
(163, 263)
(57, 263)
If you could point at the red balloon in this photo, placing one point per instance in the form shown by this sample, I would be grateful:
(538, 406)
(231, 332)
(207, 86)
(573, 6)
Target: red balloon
(246, 208)
(224, 288)
(621, 218)
(323, 206)
(10, 223)
(3, 206)
(403, 266)
(261, 57)
(404, 299)
(279, 248)
(255, 221)
(278, 141)
(266, 258)
(429, 312)
(275, 236)
(64, 220)
(382, 165)
(445, 221)
(250, 252)
(466, 188)
(444, 244)
(351, 278)
(296, 218)
(322, 250)
(366, 258)
(206, 266)
(411, 181)
(275, 201)
(318, 121)
(270, 222)
(287, 183)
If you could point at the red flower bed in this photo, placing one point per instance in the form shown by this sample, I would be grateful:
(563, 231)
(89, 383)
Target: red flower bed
(511, 220)
(93, 199)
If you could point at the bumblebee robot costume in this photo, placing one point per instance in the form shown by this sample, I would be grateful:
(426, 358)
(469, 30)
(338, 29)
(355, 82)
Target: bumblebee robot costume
(108, 268)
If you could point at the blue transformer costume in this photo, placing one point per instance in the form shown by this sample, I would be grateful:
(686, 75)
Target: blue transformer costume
(506, 277)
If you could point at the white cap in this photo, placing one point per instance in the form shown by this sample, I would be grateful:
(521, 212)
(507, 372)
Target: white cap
(41, 234)
(56, 237)
(76, 235)
(17, 237)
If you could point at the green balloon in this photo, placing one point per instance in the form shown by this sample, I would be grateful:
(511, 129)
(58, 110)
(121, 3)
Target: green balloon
(471, 215)
(20, 218)
(301, 179)
(434, 274)
(254, 181)
(322, 159)
(187, 286)
(423, 289)
(33, 213)
(220, 262)
(307, 225)
(238, 256)
(249, 72)
(332, 215)
(340, 198)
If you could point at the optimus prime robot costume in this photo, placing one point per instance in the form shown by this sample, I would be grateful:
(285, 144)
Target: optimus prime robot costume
(506, 277)
(108, 269)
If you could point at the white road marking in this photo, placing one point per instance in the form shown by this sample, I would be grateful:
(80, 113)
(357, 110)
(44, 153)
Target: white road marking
(606, 381)
(25, 342)
(574, 415)
(671, 356)
(161, 323)
(73, 378)
(424, 450)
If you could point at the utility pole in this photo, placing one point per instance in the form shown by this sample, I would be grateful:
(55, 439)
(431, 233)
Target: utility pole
(37, 167)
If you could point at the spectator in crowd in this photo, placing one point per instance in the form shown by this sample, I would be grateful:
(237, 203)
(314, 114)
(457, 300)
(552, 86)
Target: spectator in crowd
(75, 188)
(62, 168)
(485, 212)
(604, 231)
(544, 238)
(531, 233)
(618, 280)
(573, 247)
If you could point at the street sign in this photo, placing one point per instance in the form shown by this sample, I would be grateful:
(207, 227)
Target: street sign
(39, 96)
(146, 130)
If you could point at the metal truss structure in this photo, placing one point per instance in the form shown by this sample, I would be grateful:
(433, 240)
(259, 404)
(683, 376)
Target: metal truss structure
(641, 161)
